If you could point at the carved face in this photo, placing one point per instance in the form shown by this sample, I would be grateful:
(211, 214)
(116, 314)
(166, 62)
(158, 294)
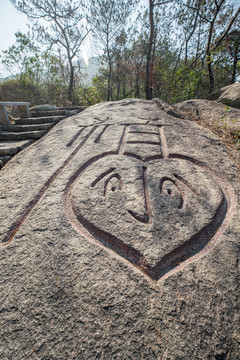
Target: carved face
(155, 213)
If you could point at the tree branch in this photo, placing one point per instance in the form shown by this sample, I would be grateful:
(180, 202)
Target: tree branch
(226, 31)
(162, 3)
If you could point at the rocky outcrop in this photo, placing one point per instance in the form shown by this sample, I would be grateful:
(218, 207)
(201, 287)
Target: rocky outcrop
(120, 240)
(228, 95)
(210, 112)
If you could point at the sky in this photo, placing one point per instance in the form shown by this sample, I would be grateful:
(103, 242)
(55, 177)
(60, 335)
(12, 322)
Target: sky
(12, 21)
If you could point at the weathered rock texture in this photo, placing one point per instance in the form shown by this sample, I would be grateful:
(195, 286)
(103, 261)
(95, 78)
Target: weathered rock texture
(43, 107)
(223, 121)
(210, 112)
(120, 240)
(228, 95)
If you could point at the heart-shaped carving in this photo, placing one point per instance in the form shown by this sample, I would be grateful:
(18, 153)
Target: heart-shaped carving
(157, 214)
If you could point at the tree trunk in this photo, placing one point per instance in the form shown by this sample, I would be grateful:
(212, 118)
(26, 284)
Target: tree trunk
(186, 53)
(137, 94)
(118, 81)
(71, 83)
(191, 34)
(234, 70)
(109, 81)
(109, 92)
(210, 73)
(124, 88)
(209, 60)
(149, 53)
(209, 49)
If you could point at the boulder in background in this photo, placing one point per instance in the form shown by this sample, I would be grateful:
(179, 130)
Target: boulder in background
(228, 95)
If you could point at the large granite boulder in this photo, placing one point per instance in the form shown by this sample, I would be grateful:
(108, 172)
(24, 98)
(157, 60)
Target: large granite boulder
(228, 95)
(210, 112)
(120, 240)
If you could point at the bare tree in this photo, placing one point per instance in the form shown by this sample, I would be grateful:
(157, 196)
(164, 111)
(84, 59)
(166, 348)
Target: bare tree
(149, 61)
(108, 18)
(218, 18)
(58, 23)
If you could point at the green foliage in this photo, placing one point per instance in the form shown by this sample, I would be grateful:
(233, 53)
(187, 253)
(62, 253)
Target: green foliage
(22, 58)
(39, 76)
(185, 50)
(13, 90)
(88, 95)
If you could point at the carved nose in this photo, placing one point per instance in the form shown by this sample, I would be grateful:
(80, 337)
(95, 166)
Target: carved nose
(143, 215)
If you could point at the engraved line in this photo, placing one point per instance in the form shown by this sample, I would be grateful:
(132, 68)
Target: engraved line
(170, 263)
(130, 124)
(215, 234)
(163, 140)
(161, 125)
(100, 177)
(75, 137)
(146, 195)
(101, 133)
(147, 123)
(100, 236)
(147, 217)
(149, 118)
(182, 194)
(86, 164)
(146, 159)
(117, 176)
(29, 208)
(187, 184)
(194, 245)
(143, 142)
(143, 132)
(122, 144)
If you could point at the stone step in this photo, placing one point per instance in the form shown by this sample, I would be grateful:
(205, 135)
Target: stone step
(40, 120)
(10, 148)
(16, 136)
(80, 108)
(4, 160)
(49, 113)
(20, 128)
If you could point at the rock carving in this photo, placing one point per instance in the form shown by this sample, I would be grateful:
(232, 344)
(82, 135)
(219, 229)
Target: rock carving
(156, 209)
(142, 203)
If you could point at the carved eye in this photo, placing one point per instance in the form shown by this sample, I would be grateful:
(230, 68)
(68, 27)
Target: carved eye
(171, 192)
(112, 184)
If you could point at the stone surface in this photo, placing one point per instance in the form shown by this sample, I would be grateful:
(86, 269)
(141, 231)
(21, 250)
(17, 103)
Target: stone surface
(228, 95)
(4, 160)
(56, 112)
(39, 120)
(120, 240)
(12, 147)
(31, 128)
(210, 112)
(23, 128)
(43, 107)
(17, 136)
